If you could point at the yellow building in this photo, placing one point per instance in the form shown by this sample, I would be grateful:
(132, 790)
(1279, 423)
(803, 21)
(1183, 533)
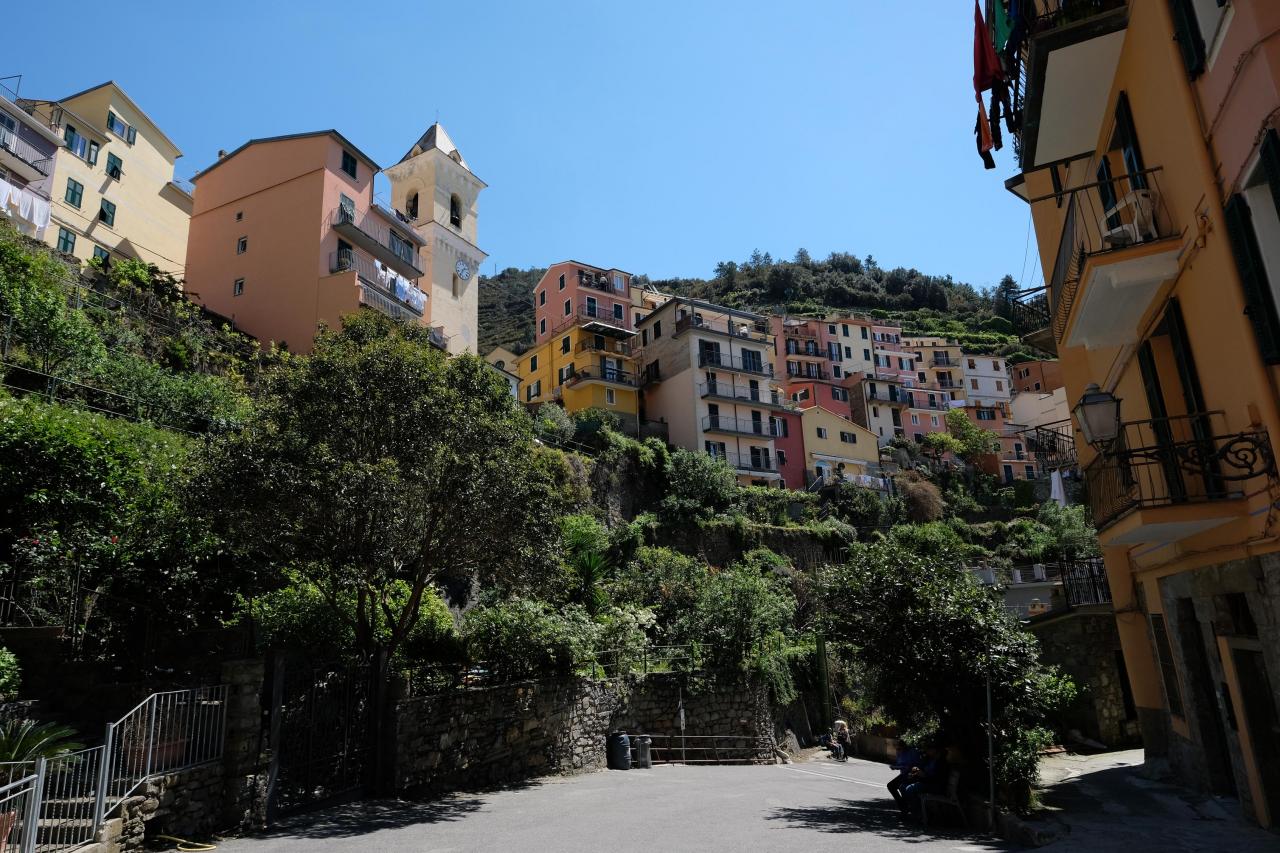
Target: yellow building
(837, 447)
(585, 365)
(112, 190)
(1151, 160)
(939, 364)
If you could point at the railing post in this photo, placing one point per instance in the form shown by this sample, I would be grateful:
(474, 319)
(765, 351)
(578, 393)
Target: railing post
(151, 735)
(31, 831)
(104, 779)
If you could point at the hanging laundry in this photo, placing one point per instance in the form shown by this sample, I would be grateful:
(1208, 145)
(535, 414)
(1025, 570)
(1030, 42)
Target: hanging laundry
(40, 215)
(1001, 24)
(986, 73)
(983, 132)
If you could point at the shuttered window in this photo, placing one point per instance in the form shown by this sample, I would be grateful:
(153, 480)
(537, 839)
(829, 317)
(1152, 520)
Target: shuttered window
(1259, 305)
(1186, 31)
(1168, 670)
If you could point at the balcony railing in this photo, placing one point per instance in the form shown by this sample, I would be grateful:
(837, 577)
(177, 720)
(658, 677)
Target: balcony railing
(1084, 582)
(610, 345)
(729, 391)
(604, 374)
(756, 366)
(26, 152)
(751, 331)
(1174, 461)
(1053, 445)
(764, 462)
(739, 426)
(806, 351)
(349, 259)
(1029, 310)
(808, 371)
(943, 361)
(595, 281)
(798, 332)
(1104, 217)
(598, 316)
(374, 236)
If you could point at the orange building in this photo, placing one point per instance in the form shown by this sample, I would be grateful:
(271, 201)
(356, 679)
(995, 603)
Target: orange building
(1150, 157)
(1036, 377)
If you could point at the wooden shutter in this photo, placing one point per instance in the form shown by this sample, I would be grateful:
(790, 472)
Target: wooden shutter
(1259, 305)
(1186, 31)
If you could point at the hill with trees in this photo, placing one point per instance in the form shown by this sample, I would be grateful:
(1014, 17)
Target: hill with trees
(921, 303)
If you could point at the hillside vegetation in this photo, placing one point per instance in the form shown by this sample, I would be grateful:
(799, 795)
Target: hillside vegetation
(920, 303)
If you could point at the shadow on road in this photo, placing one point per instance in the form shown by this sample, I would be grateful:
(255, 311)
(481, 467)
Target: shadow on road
(361, 818)
(880, 817)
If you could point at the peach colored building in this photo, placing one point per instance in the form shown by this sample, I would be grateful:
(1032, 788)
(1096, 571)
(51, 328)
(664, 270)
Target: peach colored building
(572, 293)
(286, 238)
(1036, 377)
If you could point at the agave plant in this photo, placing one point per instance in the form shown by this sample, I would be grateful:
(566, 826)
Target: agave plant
(27, 740)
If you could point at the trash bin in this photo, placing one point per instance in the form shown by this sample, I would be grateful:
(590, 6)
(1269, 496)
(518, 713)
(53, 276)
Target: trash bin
(617, 751)
(644, 753)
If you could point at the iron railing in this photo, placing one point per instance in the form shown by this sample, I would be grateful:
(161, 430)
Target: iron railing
(1104, 217)
(746, 394)
(809, 348)
(594, 312)
(713, 359)
(20, 814)
(741, 426)
(376, 230)
(1029, 311)
(610, 345)
(798, 332)
(762, 462)
(26, 152)
(1053, 445)
(1085, 582)
(752, 331)
(1171, 461)
(607, 374)
(807, 371)
(708, 749)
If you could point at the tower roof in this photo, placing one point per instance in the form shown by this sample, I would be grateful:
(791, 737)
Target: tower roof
(436, 137)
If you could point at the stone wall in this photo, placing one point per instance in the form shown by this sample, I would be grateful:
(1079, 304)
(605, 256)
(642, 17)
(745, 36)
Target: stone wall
(473, 739)
(1084, 644)
(186, 804)
(720, 545)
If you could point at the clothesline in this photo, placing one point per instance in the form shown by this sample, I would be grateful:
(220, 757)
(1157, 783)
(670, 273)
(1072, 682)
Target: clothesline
(26, 205)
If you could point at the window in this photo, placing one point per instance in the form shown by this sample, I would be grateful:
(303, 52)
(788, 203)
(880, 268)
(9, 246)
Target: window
(564, 374)
(831, 328)
(455, 211)
(542, 326)
(107, 213)
(822, 432)
(835, 371)
(639, 317)
(237, 287)
(242, 245)
(101, 254)
(934, 418)
(1037, 386)
(1168, 671)
(533, 363)
(568, 307)
(875, 412)
(618, 313)
(714, 448)
(562, 281)
(66, 241)
(657, 329)
(116, 125)
(115, 166)
(564, 344)
(533, 390)
(239, 215)
(915, 420)
(542, 297)
(849, 437)
(986, 414)
(80, 146)
(609, 397)
(973, 383)
(973, 365)
(841, 394)
(349, 163)
(1031, 472)
(644, 337)
(866, 355)
(618, 283)
(995, 365)
(999, 385)
(1254, 228)
(411, 206)
(782, 457)
(75, 192)
(864, 332)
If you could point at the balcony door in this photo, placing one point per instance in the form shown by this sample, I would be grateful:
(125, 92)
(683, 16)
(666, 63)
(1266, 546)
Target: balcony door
(592, 308)
(751, 360)
(709, 353)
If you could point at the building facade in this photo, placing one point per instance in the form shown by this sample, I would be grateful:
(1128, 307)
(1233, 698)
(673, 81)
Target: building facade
(28, 152)
(1151, 162)
(1043, 376)
(708, 373)
(571, 293)
(112, 192)
(986, 379)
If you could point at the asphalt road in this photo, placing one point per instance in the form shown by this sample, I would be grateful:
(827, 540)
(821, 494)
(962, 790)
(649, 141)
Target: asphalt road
(810, 807)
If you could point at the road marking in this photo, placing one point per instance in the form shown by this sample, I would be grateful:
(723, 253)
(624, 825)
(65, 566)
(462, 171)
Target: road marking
(841, 778)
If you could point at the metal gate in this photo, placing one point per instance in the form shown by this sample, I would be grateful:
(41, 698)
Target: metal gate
(319, 732)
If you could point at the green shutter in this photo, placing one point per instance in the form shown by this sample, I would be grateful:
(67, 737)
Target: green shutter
(1269, 155)
(1186, 31)
(1258, 302)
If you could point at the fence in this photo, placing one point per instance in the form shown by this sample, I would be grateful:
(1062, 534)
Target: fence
(66, 799)
(707, 749)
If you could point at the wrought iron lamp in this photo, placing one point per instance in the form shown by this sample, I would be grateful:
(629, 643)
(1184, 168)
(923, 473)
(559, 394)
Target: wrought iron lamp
(1098, 414)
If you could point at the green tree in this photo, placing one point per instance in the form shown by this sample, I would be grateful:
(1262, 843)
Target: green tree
(698, 487)
(974, 441)
(378, 462)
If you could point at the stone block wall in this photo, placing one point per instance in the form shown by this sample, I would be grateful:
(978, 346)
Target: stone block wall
(473, 739)
(186, 804)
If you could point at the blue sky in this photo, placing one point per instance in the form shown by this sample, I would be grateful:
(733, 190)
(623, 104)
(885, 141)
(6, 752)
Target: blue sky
(656, 137)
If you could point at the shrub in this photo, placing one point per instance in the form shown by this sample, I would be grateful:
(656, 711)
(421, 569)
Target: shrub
(522, 638)
(771, 506)
(27, 740)
(553, 424)
(866, 509)
(590, 424)
(698, 487)
(10, 674)
(923, 499)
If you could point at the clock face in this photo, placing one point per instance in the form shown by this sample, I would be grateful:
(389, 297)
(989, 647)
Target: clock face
(463, 269)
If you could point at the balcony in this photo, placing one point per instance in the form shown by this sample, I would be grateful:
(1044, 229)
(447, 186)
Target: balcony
(595, 281)
(766, 398)
(943, 361)
(371, 233)
(23, 158)
(1118, 247)
(1084, 582)
(1029, 312)
(725, 325)
(738, 426)
(1053, 445)
(597, 318)
(808, 371)
(1169, 478)
(755, 366)
(607, 375)
(762, 463)
(610, 346)
(346, 260)
(810, 351)
(1064, 76)
(798, 332)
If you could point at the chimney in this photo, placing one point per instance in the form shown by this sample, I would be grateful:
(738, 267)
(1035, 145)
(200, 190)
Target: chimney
(222, 152)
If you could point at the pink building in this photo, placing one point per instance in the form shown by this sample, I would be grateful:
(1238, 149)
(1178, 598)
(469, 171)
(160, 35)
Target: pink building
(572, 293)
(788, 443)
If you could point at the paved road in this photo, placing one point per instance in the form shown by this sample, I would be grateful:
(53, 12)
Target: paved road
(1102, 803)
(811, 807)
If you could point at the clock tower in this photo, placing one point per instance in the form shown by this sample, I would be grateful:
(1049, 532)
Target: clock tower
(434, 187)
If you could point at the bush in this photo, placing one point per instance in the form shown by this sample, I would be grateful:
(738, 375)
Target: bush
(699, 486)
(10, 675)
(522, 638)
(923, 500)
(590, 424)
(866, 509)
(771, 506)
(552, 424)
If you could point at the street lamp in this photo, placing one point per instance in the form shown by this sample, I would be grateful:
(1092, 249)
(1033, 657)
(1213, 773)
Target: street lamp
(1098, 414)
